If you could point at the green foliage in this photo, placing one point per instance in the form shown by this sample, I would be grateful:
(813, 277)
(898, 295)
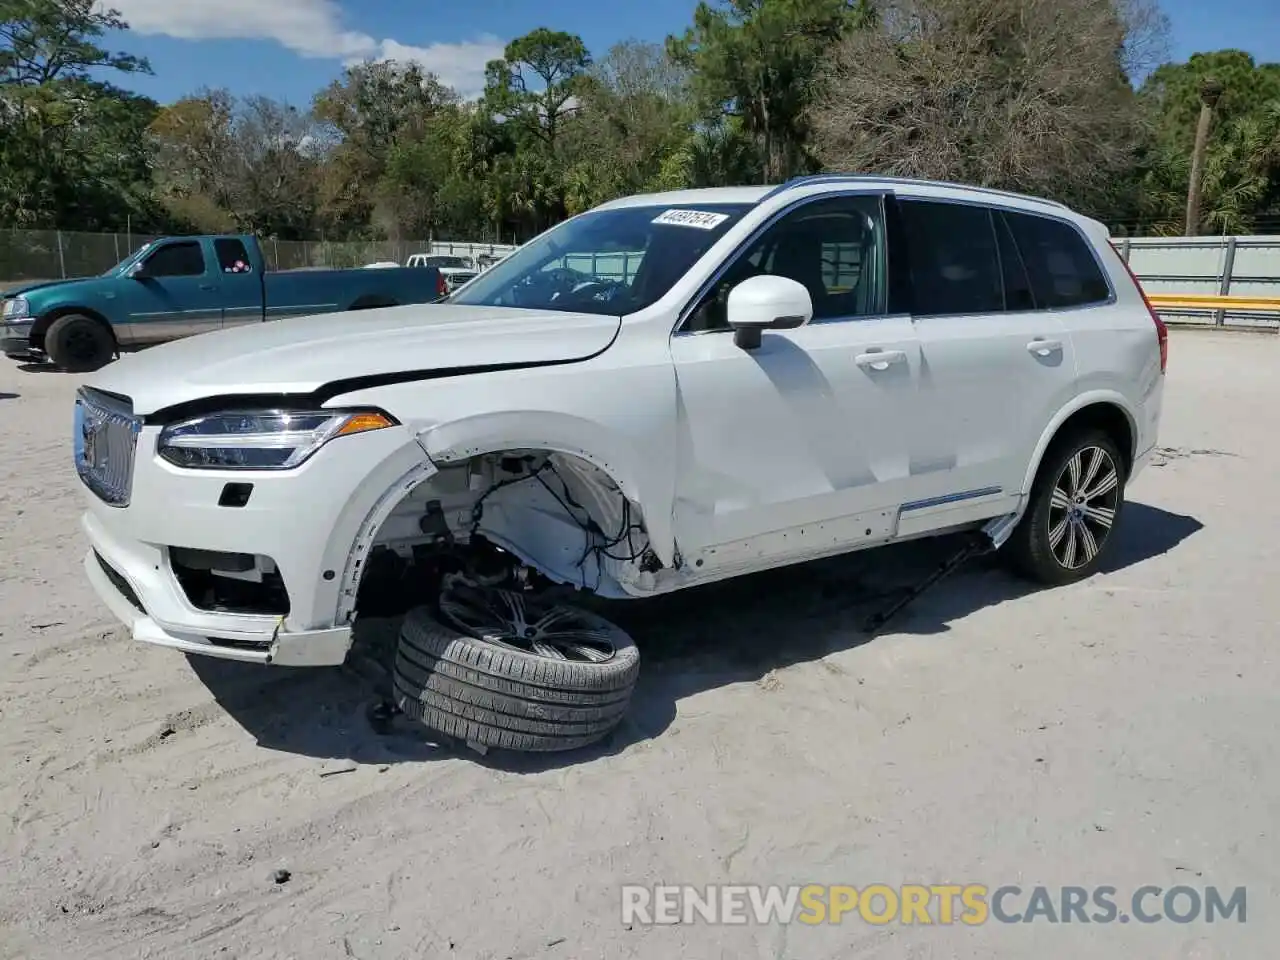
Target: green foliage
(1242, 161)
(71, 147)
(745, 95)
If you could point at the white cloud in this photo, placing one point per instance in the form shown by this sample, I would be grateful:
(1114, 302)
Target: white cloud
(310, 28)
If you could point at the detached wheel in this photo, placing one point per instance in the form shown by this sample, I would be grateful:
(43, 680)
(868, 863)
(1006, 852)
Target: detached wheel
(1075, 505)
(503, 670)
(79, 344)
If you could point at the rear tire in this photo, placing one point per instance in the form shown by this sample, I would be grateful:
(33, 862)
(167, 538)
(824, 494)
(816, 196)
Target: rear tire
(492, 693)
(79, 344)
(1075, 506)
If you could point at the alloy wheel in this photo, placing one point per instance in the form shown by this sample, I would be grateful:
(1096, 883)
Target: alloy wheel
(1082, 507)
(520, 622)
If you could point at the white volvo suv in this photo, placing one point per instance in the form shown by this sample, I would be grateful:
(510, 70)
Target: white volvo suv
(664, 391)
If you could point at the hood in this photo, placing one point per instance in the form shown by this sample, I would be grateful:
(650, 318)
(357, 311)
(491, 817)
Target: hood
(300, 355)
(24, 290)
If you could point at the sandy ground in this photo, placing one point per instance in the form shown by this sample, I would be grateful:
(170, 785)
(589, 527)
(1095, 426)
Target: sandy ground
(1120, 732)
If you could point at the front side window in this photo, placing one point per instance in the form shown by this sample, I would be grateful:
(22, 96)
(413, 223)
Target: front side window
(833, 247)
(955, 263)
(610, 262)
(1062, 269)
(176, 260)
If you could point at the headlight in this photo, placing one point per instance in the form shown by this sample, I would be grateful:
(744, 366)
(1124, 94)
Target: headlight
(16, 308)
(261, 440)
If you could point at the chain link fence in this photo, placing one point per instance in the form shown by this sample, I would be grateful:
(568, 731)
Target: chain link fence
(33, 255)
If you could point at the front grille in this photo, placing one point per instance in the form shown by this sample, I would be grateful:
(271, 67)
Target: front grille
(105, 438)
(458, 279)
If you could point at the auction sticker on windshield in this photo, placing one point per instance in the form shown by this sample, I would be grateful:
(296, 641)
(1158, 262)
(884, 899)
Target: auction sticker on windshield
(701, 219)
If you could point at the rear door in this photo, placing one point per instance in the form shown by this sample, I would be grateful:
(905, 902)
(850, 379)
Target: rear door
(240, 281)
(175, 294)
(995, 366)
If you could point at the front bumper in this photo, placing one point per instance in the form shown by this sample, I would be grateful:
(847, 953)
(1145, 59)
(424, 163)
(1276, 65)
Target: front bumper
(306, 520)
(15, 338)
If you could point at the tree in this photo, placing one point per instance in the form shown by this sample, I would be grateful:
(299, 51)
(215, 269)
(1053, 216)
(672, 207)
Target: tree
(70, 146)
(757, 59)
(1242, 161)
(365, 117)
(534, 85)
(223, 165)
(635, 114)
(42, 41)
(1021, 94)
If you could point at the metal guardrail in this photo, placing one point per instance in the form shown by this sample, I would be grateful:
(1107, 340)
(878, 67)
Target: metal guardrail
(1195, 302)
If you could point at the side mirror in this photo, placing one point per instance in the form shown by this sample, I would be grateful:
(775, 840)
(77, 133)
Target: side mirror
(766, 303)
(137, 271)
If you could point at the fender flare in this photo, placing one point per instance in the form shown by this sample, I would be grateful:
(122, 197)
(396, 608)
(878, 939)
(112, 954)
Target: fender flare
(1089, 399)
(573, 436)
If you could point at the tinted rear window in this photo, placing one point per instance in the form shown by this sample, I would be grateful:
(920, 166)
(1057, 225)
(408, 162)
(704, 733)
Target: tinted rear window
(955, 267)
(1061, 266)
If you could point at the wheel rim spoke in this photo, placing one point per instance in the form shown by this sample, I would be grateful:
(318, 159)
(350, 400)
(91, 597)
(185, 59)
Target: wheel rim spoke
(1069, 547)
(1088, 543)
(1060, 499)
(1073, 474)
(1102, 516)
(1056, 532)
(1103, 486)
(1095, 463)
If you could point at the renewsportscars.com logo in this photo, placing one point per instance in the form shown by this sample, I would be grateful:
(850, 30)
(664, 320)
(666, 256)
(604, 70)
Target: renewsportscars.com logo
(943, 904)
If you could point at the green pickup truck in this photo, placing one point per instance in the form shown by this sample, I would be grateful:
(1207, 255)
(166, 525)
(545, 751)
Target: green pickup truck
(180, 286)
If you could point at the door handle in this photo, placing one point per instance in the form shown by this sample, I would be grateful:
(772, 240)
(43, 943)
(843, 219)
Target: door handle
(207, 286)
(1041, 347)
(880, 359)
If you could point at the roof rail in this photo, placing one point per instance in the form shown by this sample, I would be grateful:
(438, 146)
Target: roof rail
(813, 178)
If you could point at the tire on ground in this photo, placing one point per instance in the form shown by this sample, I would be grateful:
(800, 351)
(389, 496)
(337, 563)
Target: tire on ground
(1027, 550)
(79, 344)
(501, 697)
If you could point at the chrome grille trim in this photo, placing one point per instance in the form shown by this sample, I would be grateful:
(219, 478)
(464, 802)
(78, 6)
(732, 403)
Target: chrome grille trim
(105, 440)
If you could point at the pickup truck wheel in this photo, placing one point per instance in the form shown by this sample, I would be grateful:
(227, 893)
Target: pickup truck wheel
(502, 670)
(1076, 501)
(79, 344)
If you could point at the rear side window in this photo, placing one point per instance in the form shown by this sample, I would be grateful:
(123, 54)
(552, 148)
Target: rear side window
(955, 263)
(1061, 267)
(176, 260)
(232, 256)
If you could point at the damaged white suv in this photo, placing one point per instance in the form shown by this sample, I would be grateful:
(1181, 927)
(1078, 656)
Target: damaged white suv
(664, 391)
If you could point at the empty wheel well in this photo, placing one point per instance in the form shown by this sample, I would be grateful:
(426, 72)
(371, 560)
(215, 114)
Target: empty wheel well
(558, 514)
(1108, 418)
(45, 322)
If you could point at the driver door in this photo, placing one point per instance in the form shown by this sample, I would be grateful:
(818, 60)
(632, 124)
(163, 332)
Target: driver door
(176, 294)
(804, 443)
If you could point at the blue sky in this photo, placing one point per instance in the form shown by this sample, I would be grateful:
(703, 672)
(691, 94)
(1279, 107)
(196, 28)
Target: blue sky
(288, 49)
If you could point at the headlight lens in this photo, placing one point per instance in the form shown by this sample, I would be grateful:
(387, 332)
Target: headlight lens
(261, 440)
(16, 308)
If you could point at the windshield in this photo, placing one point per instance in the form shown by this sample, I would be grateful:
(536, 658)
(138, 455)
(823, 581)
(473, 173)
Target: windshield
(609, 261)
(137, 254)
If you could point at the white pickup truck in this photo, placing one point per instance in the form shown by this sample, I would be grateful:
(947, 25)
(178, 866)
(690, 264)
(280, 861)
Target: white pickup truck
(455, 270)
(787, 373)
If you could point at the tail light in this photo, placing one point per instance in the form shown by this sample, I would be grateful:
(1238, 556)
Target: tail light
(1162, 331)
(441, 287)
